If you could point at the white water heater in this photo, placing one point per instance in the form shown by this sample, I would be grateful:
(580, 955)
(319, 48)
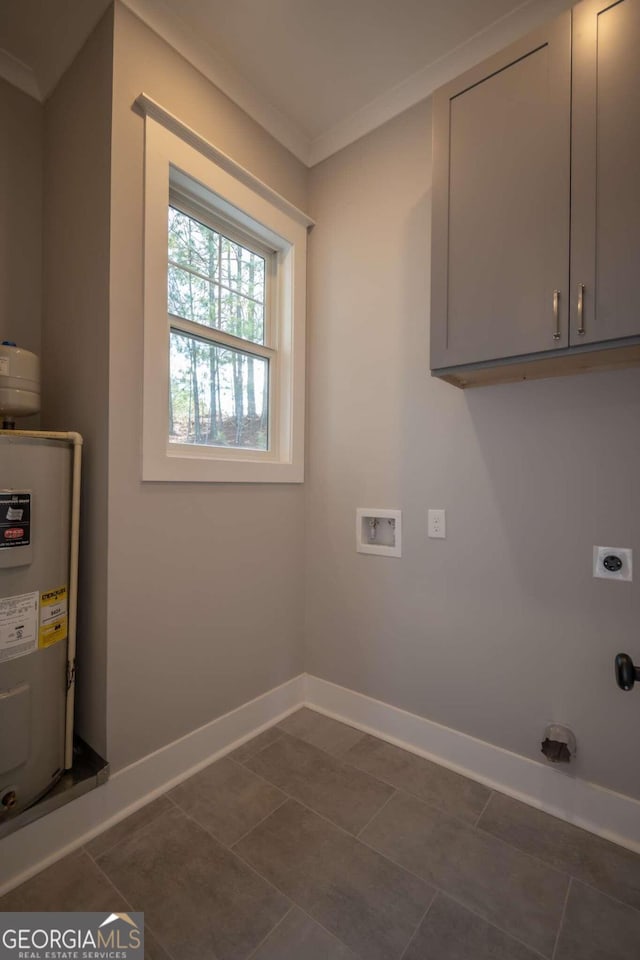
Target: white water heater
(39, 474)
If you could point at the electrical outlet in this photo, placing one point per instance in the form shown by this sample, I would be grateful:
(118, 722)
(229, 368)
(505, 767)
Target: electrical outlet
(613, 563)
(437, 524)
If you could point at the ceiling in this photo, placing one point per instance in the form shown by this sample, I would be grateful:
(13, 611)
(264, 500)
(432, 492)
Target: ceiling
(317, 74)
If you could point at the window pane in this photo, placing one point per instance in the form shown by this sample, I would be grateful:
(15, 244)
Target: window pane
(191, 297)
(218, 396)
(242, 270)
(240, 316)
(192, 244)
(214, 280)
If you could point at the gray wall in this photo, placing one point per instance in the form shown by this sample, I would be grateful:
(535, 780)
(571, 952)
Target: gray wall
(499, 628)
(494, 631)
(75, 331)
(21, 120)
(205, 580)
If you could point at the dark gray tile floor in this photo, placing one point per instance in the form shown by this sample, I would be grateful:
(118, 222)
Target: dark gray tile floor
(317, 842)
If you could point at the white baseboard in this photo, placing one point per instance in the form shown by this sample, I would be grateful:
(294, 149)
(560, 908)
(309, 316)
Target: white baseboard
(34, 847)
(603, 812)
(37, 845)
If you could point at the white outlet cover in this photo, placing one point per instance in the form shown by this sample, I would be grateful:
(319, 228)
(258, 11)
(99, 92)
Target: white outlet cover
(624, 553)
(437, 524)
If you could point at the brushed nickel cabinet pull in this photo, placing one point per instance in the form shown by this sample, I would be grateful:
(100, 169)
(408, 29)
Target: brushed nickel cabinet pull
(581, 328)
(556, 314)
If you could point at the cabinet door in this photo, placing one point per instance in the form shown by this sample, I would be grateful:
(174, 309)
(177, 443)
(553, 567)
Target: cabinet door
(501, 204)
(605, 231)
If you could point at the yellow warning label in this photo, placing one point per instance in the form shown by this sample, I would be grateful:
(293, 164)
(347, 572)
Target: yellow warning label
(53, 617)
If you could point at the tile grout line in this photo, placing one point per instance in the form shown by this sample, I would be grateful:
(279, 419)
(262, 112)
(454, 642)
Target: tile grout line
(273, 930)
(375, 779)
(387, 783)
(357, 837)
(117, 843)
(522, 853)
(397, 790)
(296, 906)
(474, 825)
(316, 813)
(469, 826)
(399, 866)
(338, 758)
(289, 798)
(487, 833)
(490, 923)
(603, 893)
(436, 889)
(229, 756)
(401, 790)
(128, 902)
(295, 903)
(553, 866)
(238, 856)
(417, 796)
(419, 924)
(355, 953)
(562, 918)
(376, 814)
(462, 903)
(262, 820)
(429, 883)
(484, 809)
(342, 758)
(225, 846)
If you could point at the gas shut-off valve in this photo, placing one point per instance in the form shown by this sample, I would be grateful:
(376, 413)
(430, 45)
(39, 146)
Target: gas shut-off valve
(626, 671)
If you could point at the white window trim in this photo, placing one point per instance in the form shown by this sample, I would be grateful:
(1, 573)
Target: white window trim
(176, 156)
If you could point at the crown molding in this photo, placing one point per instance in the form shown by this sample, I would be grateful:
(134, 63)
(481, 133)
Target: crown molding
(18, 74)
(424, 82)
(159, 18)
(227, 78)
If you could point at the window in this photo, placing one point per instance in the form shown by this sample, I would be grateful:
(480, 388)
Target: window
(223, 318)
(221, 333)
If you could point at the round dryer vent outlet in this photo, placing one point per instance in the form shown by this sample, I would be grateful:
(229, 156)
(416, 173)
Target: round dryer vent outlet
(559, 743)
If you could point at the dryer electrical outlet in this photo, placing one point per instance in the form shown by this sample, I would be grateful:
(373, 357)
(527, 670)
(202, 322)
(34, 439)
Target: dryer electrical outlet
(613, 563)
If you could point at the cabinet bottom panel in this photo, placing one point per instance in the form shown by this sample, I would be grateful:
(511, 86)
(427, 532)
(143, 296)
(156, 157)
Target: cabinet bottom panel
(541, 367)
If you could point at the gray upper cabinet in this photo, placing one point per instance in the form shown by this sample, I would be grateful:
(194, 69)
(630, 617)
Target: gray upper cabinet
(605, 233)
(501, 204)
(536, 204)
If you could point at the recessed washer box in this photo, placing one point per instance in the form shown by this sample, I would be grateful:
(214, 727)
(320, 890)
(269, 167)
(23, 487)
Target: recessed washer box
(379, 531)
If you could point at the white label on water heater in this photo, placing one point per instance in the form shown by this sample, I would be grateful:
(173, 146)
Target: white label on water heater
(18, 625)
(4, 366)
